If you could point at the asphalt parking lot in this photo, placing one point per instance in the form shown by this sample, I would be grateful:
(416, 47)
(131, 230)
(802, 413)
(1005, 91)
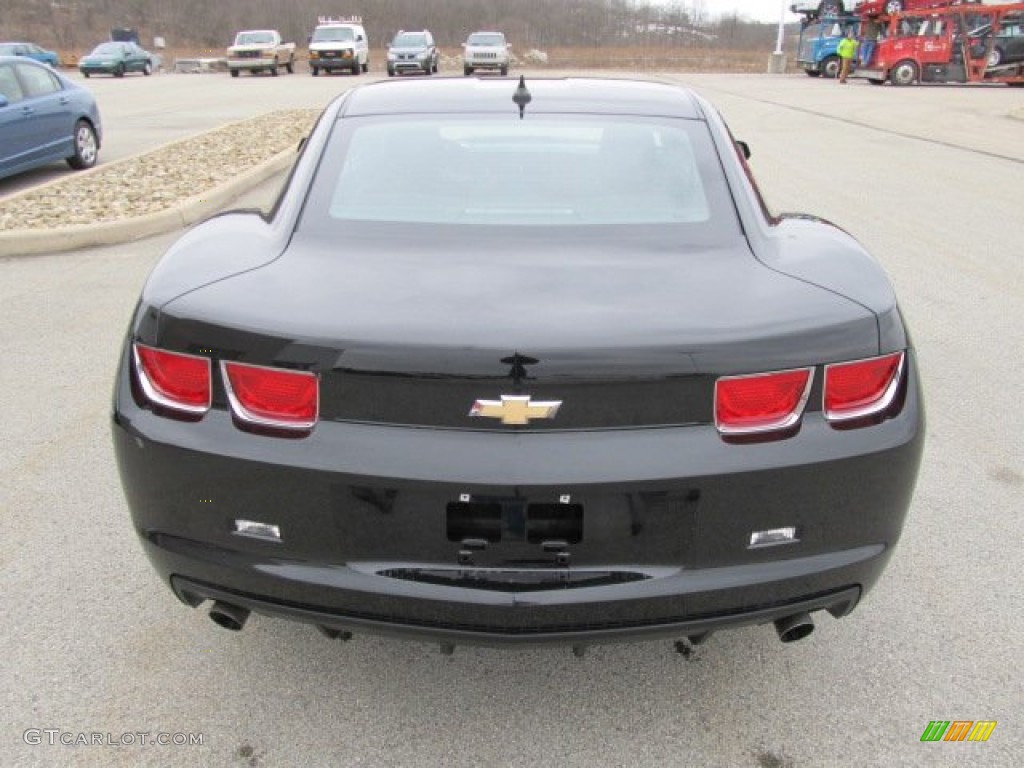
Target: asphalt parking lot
(930, 179)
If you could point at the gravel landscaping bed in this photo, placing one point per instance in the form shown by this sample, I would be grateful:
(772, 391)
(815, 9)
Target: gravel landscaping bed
(159, 179)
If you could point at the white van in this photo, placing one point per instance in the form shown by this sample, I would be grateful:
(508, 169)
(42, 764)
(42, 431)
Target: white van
(339, 43)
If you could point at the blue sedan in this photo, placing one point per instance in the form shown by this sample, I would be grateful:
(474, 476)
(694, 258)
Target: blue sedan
(44, 117)
(30, 51)
(116, 59)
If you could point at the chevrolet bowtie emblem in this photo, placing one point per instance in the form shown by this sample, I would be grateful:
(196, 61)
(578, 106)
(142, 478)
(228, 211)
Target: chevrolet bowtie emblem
(515, 409)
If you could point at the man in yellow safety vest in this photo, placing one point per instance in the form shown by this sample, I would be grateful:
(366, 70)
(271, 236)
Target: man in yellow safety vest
(847, 50)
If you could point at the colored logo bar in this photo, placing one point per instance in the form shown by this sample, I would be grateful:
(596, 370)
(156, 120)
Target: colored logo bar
(958, 730)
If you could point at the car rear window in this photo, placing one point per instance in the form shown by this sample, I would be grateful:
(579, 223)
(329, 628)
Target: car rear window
(333, 35)
(408, 40)
(486, 39)
(549, 171)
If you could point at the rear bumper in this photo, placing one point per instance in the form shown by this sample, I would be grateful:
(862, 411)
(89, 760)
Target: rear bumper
(869, 74)
(658, 538)
(266, 63)
(489, 64)
(499, 625)
(409, 66)
(334, 62)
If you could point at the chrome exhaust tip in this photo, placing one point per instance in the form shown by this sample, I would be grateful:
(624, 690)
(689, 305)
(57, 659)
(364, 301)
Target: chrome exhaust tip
(795, 627)
(229, 616)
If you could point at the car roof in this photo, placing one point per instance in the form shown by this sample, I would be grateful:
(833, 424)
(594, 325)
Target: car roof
(4, 59)
(549, 95)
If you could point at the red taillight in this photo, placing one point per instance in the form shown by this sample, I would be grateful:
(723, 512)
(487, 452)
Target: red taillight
(764, 402)
(272, 397)
(861, 388)
(173, 380)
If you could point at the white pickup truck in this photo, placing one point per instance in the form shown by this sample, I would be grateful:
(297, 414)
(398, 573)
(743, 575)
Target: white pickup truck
(256, 50)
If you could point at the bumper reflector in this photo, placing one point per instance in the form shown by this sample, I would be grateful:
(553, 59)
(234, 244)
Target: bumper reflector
(773, 537)
(257, 530)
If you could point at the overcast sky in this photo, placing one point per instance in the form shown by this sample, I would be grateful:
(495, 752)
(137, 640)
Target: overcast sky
(756, 10)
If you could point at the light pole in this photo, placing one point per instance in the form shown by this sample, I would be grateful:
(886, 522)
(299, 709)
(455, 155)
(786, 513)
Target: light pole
(777, 63)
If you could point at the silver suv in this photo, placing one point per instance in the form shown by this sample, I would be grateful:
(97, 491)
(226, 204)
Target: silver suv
(412, 52)
(485, 50)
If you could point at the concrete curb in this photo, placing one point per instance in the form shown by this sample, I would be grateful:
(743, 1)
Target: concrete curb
(27, 242)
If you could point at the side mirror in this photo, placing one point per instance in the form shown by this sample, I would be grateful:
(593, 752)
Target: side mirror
(359, 38)
(744, 149)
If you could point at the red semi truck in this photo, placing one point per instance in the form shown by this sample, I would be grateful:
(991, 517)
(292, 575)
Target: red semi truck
(954, 44)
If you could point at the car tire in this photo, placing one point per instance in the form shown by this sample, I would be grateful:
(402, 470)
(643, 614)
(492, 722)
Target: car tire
(436, 68)
(147, 68)
(876, 81)
(391, 72)
(366, 66)
(995, 58)
(290, 67)
(314, 71)
(274, 69)
(119, 71)
(234, 73)
(812, 73)
(504, 71)
(85, 75)
(355, 69)
(467, 71)
(903, 73)
(830, 67)
(86, 146)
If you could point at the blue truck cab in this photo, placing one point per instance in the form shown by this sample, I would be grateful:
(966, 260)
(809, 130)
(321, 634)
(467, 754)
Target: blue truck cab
(819, 41)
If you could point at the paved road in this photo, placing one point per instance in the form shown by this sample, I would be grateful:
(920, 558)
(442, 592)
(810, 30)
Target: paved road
(92, 642)
(142, 113)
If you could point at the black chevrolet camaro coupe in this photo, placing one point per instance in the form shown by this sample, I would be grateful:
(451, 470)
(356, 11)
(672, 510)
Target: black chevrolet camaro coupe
(519, 362)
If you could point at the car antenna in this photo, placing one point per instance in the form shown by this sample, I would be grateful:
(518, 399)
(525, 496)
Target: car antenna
(522, 96)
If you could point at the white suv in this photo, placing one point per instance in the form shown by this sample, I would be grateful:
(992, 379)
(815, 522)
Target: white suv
(339, 44)
(485, 50)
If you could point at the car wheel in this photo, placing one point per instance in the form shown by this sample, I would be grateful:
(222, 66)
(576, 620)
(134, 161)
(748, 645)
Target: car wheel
(812, 72)
(273, 69)
(876, 81)
(86, 147)
(314, 71)
(234, 73)
(830, 66)
(85, 75)
(147, 69)
(904, 73)
(995, 58)
(893, 6)
(290, 67)
(119, 71)
(436, 68)
(391, 72)
(356, 69)
(366, 66)
(467, 71)
(504, 71)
